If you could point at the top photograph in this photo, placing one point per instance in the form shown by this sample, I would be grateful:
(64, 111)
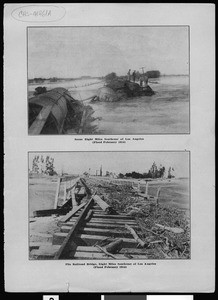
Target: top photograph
(120, 80)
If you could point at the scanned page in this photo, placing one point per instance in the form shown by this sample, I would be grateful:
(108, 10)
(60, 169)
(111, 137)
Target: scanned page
(109, 148)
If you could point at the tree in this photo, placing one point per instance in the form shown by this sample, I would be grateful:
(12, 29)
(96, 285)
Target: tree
(35, 165)
(43, 166)
(120, 175)
(153, 170)
(49, 168)
(162, 171)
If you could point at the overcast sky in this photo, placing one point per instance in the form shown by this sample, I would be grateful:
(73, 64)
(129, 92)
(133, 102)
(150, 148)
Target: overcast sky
(118, 162)
(97, 51)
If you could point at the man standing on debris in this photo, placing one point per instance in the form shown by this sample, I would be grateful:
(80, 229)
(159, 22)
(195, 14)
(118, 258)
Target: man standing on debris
(128, 74)
(145, 80)
(141, 80)
(133, 75)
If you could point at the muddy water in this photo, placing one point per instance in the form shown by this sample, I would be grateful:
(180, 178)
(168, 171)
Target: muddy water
(165, 112)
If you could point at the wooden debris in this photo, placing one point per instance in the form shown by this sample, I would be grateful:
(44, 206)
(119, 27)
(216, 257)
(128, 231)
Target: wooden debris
(134, 234)
(88, 191)
(89, 215)
(172, 229)
(104, 206)
(49, 212)
(71, 213)
(105, 251)
(114, 246)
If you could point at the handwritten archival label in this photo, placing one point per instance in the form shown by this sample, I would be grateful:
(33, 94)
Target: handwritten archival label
(38, 13)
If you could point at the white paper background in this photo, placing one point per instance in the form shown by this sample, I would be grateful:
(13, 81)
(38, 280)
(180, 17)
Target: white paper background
(195, 275)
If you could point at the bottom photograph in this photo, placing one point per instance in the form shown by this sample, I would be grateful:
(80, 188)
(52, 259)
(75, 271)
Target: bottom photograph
(109, 205)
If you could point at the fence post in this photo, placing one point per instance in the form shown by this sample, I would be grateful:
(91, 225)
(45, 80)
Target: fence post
(57, 193)
(146, 189)
(65, 189)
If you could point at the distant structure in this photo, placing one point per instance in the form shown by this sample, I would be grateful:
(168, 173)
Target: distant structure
(101, 171)
(111, 174)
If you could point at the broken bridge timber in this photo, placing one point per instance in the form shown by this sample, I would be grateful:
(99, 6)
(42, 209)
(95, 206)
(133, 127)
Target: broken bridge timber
(91, 229)
(55, 112)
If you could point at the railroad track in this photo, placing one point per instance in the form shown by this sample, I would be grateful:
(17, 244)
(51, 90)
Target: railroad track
(93, 230)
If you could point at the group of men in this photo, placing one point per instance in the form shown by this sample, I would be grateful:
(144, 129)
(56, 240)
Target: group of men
(143, 79)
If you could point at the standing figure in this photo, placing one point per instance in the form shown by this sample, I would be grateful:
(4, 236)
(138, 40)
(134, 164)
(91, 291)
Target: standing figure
(141, 80)
(128, 74)
(145, 80)
(133, 75)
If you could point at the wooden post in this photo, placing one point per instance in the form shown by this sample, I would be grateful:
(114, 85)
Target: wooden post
(57, 193)
(158, 194)
(74, 203)
(65, 190)
(139, 190)
(146, 189)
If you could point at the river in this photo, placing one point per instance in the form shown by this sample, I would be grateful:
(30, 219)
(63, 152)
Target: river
(166, 112)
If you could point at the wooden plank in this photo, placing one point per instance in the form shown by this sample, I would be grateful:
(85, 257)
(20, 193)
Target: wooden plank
(52, 249)
(104, 206)
(106, 232)
(68, 242)
(103, 225)
(74, 203)
(95, 220)
(71, 213)
(105, 221)
(40, 120)
(90, 240)
(106, 216)
(57, 193)
(66, 229)
(49, 212)
(68, 224)
(36, 245)
(68, 204)
(58, 238)
(65, 191)
(123, 250)
(89, 255)
(87, 189)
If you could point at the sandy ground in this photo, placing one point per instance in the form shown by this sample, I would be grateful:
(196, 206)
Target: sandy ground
(41, 193)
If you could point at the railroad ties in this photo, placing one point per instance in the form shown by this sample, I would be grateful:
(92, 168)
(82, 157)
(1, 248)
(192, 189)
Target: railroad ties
(89, 230)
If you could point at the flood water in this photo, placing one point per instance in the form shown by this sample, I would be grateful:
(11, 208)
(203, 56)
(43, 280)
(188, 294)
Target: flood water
(166, 112)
